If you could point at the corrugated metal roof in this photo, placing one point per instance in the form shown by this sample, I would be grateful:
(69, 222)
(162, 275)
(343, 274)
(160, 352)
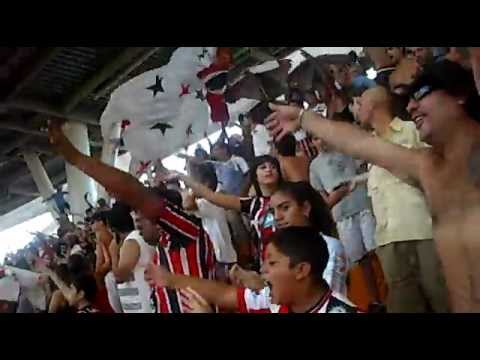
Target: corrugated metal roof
(67, 70)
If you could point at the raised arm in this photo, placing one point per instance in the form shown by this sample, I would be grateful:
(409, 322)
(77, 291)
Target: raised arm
(122, 185)
(345, 138)
(67, 292)
(220, 199)
(294, 169)
(214, 292)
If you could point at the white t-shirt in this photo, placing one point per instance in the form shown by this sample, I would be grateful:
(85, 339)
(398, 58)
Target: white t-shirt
(250, 301)
(261, 140)
(335, 273)
(214, 221)
(135, 295)
(112, 292)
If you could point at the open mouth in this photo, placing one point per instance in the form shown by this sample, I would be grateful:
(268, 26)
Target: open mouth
(418, 120)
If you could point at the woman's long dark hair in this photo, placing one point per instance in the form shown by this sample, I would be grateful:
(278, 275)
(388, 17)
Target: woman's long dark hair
(259, 160)
(320, 216)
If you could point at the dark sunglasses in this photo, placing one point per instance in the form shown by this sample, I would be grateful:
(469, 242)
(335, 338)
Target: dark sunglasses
(422, 92)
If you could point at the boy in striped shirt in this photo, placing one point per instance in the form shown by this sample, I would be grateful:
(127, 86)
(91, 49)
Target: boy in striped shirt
(293, 270)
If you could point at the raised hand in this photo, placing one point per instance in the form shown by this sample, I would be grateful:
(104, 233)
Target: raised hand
(283, 120)
(193, 302)
(58, 139)
(244, 278)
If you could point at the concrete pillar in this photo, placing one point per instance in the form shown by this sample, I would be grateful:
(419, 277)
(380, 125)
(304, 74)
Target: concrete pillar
(41, 179)
(109, 155)
(78, 182)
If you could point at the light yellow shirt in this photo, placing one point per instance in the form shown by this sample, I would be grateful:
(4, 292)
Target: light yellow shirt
(400, 209)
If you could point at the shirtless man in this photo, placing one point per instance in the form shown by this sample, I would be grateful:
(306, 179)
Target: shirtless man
(445, 106)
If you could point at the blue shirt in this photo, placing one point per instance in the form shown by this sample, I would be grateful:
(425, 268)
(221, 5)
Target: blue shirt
(230, 174)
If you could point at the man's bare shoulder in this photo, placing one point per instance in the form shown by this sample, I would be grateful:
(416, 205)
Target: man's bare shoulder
(427, 159)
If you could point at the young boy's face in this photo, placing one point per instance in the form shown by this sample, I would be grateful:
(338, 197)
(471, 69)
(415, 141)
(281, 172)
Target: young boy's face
(281, 277)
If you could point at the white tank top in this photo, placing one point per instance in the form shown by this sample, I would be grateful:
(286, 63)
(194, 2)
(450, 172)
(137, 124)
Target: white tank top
(135, 295)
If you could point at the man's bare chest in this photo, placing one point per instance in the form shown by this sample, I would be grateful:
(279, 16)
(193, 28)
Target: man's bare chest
(450, 189)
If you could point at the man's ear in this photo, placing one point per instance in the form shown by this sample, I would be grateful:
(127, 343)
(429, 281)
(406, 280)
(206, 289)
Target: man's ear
(302, 270)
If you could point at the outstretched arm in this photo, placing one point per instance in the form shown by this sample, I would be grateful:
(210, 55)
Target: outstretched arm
(122, 185)
(223, 200)
(345, 138)
(214, 292)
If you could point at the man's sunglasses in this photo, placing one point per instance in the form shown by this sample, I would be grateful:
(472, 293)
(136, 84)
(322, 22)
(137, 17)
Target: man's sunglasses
(422, 92)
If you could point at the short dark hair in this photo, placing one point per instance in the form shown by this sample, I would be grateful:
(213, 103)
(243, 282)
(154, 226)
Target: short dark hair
(119, 218)
(64, 273)
(207, 176)
(222, 145)
(172, 196)
(71, 238)
(287, 146)
(455, 80)
(99, 216)
(102, 202)
(303, 244)
(87, 284)
(78, 265)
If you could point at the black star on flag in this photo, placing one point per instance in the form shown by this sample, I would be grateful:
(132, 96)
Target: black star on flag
(162, 127)
(157, 87)
(202, 55)
(199, 95)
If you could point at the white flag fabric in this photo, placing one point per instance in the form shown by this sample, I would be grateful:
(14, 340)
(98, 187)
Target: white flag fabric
(164, 106)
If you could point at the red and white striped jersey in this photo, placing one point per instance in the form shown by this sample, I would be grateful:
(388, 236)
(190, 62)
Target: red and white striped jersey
(184, 248)
(262, 221)
(250, 301)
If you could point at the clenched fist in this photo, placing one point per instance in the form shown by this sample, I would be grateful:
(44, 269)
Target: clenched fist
(59, 141)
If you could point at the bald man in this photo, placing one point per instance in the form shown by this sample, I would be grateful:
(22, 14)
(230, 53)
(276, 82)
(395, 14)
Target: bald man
(445, 106)
(404, 225)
